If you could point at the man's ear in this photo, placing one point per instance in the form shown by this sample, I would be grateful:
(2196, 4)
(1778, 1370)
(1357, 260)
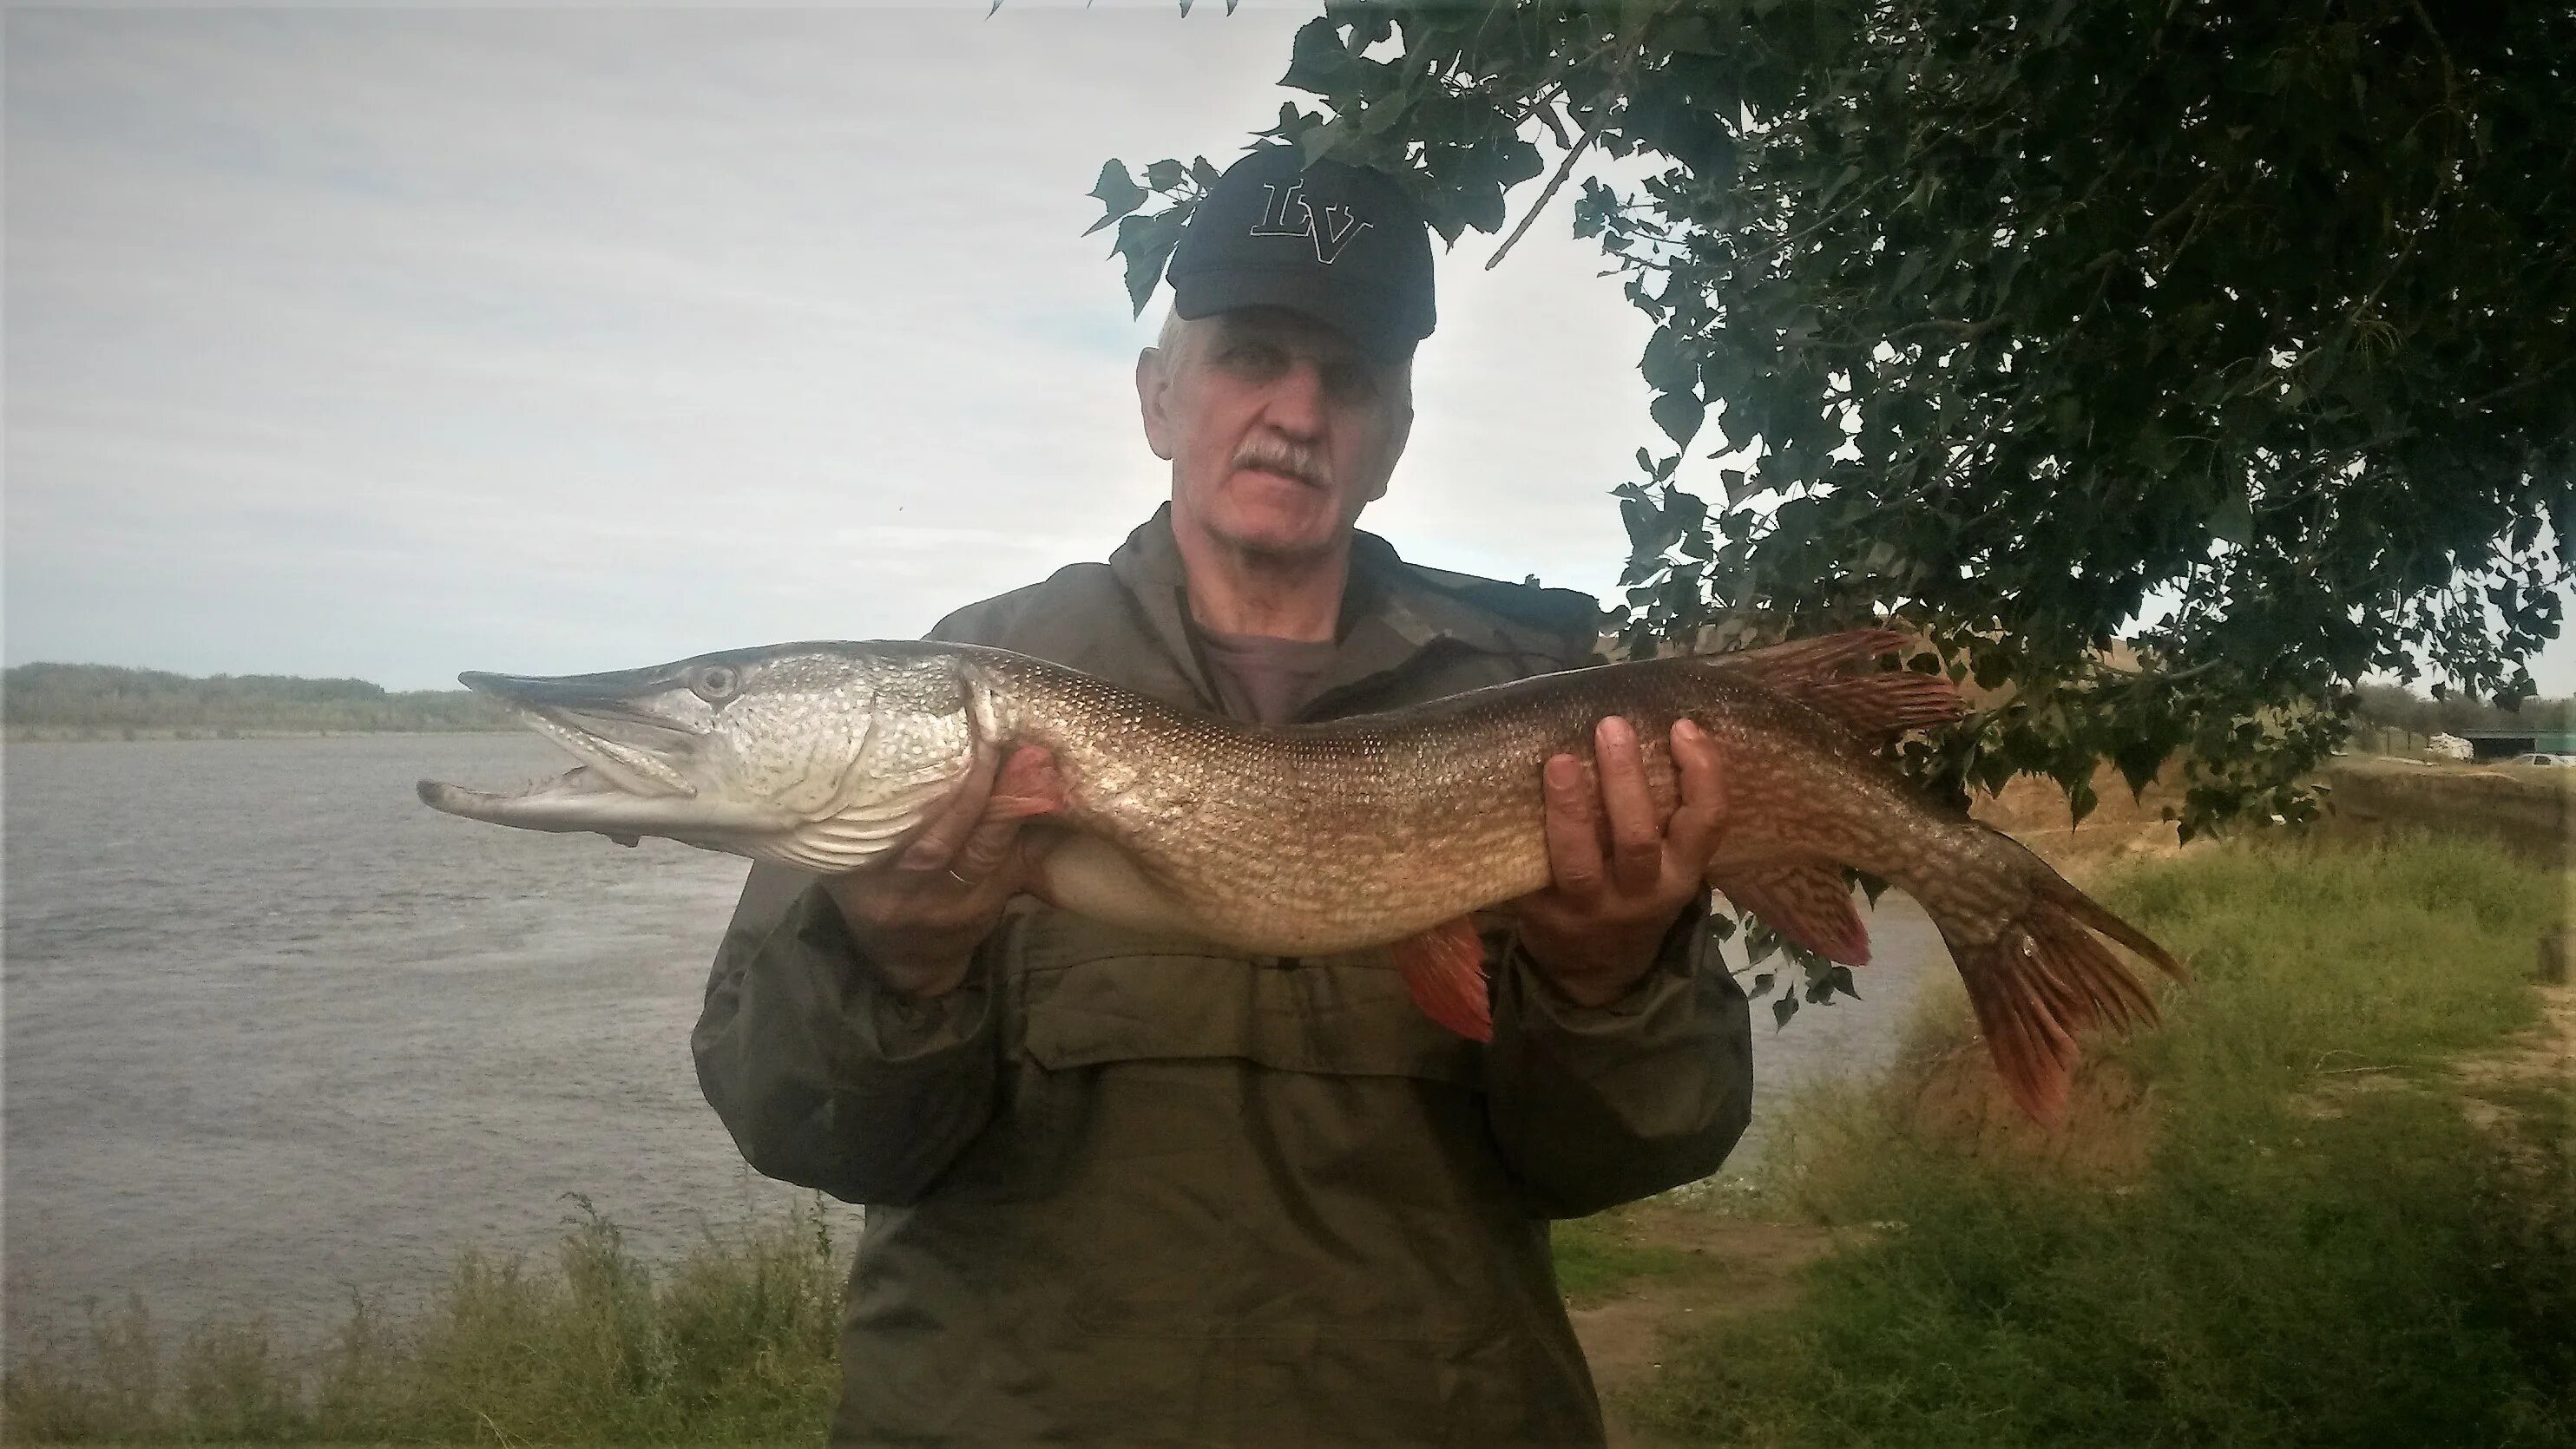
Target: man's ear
(1403, 433)
(1153, 385)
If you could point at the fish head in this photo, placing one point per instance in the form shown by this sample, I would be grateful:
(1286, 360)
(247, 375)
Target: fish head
(824, 756)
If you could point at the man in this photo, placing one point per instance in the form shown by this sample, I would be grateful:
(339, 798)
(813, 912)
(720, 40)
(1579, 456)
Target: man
(1133, 1190)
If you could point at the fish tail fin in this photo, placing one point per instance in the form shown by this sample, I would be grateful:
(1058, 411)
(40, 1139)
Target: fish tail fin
(1444, 973)
(2043, 977)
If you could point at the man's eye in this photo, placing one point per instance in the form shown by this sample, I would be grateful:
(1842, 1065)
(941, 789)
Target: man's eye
(1255, 357)
(1350, 382)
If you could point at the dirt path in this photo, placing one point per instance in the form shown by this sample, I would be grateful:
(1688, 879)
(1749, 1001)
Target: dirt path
(2530, 1073)
(1737, 1268)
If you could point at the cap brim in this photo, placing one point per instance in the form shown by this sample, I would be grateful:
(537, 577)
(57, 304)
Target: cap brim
(1377, 318)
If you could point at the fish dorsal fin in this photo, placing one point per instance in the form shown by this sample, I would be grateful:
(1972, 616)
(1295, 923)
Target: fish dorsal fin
(1778, 664)
(1871, 704)
(1808, 903)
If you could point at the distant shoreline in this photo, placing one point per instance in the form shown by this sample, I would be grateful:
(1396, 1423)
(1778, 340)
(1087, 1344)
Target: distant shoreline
(138, 734)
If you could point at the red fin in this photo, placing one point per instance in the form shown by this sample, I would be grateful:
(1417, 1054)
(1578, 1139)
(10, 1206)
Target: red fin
(1777, 665)
(1886, 703)
(1028, 785)
(2045, 977)
(1444, 972)
(1875, 704)
(1809, 904)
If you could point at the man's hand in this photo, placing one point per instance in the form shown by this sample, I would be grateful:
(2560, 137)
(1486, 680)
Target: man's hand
(1622, 875)
(919, 917)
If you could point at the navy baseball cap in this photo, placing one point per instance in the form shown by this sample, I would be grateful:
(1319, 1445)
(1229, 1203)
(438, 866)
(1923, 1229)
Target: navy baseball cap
(1339, 242)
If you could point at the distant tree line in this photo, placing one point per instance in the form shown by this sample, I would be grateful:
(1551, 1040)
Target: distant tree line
(105, 697)
(2393, 706)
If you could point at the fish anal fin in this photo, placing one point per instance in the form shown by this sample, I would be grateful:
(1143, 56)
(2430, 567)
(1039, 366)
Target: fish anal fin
(1807, 902)
(1444, 973)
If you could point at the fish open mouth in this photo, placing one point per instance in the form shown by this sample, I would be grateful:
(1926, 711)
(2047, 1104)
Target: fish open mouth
(629, 781)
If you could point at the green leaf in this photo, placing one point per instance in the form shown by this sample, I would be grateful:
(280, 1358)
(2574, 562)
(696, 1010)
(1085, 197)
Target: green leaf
(1117, 192)
(1678, 414)
(2233, 520)
(1669, 365)
(1147, 242)
(1783, 1009)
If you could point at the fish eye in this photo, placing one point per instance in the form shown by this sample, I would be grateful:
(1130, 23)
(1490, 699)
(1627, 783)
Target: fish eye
(716, 683)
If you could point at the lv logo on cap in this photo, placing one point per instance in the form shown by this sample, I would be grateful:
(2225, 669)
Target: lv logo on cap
(1330, 232)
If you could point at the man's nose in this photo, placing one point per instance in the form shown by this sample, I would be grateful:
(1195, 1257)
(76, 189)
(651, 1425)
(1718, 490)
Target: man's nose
(1295, 405)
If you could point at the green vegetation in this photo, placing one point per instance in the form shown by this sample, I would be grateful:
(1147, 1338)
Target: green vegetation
(2284, 1219)
(1598, 1258)
(2014, 317)
(733, 1345)
(2395, 706)
(103, 701)
(2288, 1220)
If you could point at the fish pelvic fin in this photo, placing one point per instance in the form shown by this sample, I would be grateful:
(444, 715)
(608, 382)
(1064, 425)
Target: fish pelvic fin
(2045, 977)
(1444, 973)
(1808, 903)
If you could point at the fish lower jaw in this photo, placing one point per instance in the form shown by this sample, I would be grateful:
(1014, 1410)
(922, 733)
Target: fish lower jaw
(635, 771)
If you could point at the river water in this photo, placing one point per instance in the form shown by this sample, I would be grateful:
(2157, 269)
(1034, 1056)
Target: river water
(276, 1033)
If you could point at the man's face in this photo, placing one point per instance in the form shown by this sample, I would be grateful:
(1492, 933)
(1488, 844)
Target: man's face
(1278, 427)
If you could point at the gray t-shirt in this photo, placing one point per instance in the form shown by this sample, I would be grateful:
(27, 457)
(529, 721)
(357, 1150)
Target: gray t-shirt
(1261, 679)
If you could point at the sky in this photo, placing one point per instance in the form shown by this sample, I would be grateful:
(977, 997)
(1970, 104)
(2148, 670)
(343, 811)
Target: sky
(393, 343)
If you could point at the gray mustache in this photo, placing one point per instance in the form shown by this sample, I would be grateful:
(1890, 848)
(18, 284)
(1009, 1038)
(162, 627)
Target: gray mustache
(1278, 455)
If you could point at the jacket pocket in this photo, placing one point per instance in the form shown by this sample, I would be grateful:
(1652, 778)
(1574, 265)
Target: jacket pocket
(1092, 995)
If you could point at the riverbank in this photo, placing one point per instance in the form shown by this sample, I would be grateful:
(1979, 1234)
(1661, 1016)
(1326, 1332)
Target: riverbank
(2330, 1202)
(2336, 1157)
(102, 734)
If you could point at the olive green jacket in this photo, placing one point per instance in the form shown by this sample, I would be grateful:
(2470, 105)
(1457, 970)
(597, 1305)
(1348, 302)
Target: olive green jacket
(1132, 1190)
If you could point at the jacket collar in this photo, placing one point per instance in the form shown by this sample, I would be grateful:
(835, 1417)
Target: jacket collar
(1389, 616)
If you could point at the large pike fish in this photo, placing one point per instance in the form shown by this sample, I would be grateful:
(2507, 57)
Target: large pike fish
(1380, 829)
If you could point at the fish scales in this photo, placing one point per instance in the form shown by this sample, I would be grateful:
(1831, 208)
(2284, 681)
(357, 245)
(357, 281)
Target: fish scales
(1325, 838)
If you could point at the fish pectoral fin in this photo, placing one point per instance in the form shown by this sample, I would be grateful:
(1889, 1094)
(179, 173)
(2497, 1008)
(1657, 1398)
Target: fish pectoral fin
(1028, 786)
(1444, 973)
(1808, 904)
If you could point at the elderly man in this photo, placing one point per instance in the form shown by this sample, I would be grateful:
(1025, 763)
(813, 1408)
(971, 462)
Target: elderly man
(1134, 1190)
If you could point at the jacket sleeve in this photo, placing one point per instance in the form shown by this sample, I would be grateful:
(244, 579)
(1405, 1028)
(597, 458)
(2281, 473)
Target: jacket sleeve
(826, 1077)
(1595, 1106)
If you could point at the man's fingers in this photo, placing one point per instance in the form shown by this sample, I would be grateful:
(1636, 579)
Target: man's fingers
(1573, 830)
(1695, 827)
(1636, 835)
(946, 833)
(987, 849)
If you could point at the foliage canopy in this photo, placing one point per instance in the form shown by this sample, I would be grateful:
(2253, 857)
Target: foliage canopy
(2019, 321)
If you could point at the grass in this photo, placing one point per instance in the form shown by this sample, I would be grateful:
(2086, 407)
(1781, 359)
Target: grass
(2306, 1242)
(1600, 1258)
(734, 1344)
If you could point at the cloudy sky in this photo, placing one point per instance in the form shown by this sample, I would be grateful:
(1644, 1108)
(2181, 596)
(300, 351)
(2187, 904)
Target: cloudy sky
(392, 342)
